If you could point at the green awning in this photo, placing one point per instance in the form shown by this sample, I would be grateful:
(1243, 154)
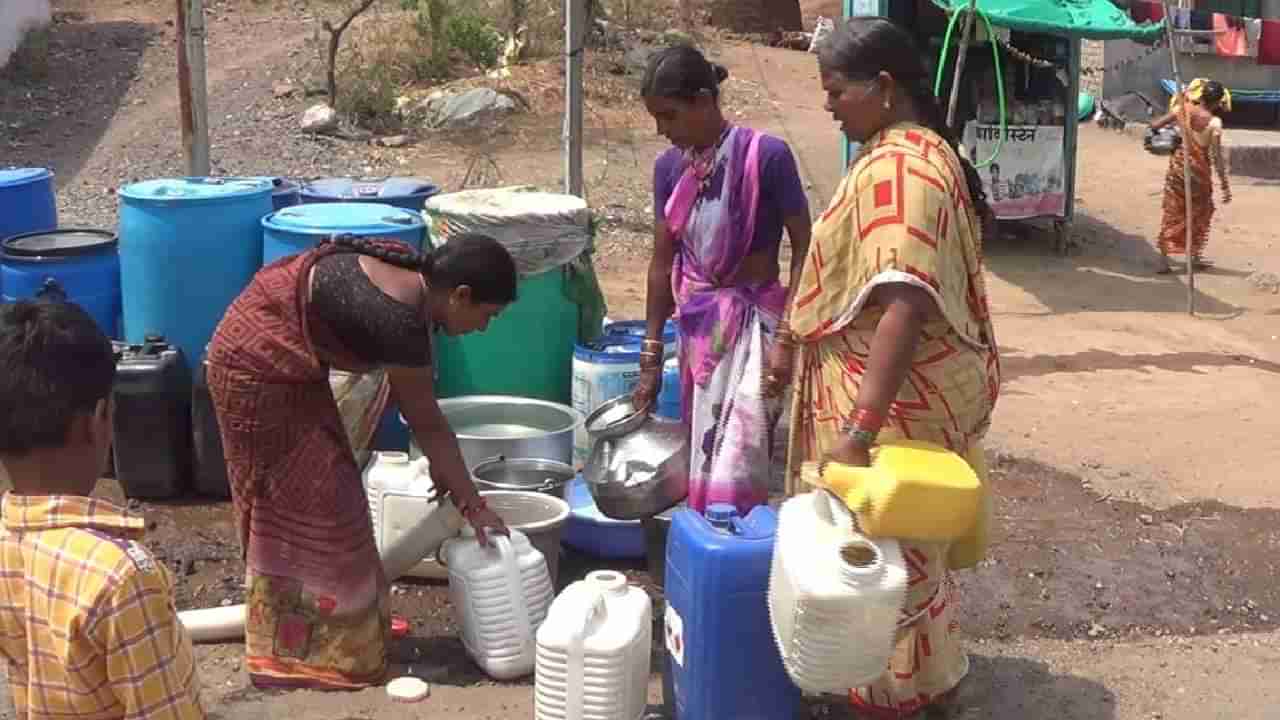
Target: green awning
(1089, 19)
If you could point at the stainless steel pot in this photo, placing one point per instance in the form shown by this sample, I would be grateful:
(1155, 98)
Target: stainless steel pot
(639, 463)
(491, 425)
(523, 474)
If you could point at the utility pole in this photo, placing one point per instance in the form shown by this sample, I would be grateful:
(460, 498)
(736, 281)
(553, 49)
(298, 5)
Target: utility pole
(1186, 157)
(574, 16)
(193, 98)
(970, 19)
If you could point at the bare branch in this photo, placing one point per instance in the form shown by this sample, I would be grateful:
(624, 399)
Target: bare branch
(335, 37)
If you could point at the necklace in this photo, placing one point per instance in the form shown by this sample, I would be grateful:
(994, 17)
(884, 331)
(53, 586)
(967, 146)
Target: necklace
(704, 162)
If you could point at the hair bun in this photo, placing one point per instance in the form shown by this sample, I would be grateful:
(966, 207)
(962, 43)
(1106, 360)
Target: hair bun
(721, 72)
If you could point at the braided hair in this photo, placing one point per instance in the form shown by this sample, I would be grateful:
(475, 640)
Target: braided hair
(472, 259)
(863, 47)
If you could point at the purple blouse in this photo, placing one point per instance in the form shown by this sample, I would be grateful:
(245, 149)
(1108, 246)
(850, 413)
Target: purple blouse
(781, 191)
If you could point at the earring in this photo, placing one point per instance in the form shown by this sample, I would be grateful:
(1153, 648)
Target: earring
(888, 104)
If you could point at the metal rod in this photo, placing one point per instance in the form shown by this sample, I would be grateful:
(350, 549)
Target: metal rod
(193, 99)
(1186, 159)
(963, 54)
(575, 15)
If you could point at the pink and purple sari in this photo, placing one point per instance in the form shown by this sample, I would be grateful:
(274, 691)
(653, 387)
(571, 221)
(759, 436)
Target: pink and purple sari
(726, 330)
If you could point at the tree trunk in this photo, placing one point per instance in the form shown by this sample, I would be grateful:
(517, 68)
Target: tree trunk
(335, 38)
(756, 16)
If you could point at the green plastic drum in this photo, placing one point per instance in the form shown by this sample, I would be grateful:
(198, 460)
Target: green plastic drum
(527, 350)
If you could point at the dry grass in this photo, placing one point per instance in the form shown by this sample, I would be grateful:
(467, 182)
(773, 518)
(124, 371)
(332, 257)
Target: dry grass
(386, 54)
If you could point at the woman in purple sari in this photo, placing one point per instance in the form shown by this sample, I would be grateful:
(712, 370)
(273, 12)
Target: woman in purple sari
(722, 197)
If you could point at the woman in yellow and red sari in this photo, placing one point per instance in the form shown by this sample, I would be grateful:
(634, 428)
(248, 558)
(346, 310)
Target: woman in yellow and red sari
(892, 326)
(1202, 143)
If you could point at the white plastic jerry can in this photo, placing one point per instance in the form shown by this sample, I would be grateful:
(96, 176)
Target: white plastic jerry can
(594, 651)
(407, 524)
(500, 596)
(835, 596)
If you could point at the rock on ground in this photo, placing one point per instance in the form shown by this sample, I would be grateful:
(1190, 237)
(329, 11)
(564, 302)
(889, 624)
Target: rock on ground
(319, 119)
(472, 109)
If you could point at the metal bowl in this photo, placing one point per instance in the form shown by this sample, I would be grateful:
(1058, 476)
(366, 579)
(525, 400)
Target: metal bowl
(523, 474)
(489, 426)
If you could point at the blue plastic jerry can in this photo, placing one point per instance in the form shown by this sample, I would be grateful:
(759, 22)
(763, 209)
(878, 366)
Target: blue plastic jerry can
(721, 658)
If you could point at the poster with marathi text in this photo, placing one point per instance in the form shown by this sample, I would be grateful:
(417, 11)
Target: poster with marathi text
(1027, 178)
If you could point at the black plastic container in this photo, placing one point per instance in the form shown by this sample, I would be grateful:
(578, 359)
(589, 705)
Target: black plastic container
(210, 464)
(151, 429)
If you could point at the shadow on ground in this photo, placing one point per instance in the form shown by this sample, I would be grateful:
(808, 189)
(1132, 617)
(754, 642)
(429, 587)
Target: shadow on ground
(57, 120)
(1114, 271)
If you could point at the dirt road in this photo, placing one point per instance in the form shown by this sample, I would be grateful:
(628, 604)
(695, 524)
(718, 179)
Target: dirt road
(1133, 575)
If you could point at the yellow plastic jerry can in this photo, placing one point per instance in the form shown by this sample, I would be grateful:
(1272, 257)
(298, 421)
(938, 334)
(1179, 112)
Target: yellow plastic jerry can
(912, 491)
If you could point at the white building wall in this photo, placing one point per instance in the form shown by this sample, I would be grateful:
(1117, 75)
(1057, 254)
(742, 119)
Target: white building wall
(16, 18)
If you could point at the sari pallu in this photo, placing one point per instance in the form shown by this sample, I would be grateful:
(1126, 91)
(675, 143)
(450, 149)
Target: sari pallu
(901, 215)
(317, 613)
(725, 331)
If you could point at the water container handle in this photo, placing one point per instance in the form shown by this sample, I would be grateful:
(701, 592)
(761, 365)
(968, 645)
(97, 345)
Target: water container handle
(832, 509)
(576, 667)
(52, 290)
(515, 585)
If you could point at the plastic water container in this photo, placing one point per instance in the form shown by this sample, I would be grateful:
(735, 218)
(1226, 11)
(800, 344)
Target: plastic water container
(407, 525)
(210, 460)
(721, 658)
(594, 651)
(151, 425)
(669, 396)
(500, 595)
(409, 193)
(80, 266)
(188, 247)
(27, 201)
(602, 371)
(638, 329)
(301, 227)
(835, 597)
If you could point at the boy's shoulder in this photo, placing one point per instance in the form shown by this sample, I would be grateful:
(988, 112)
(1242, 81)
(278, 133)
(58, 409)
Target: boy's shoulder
(104, 561)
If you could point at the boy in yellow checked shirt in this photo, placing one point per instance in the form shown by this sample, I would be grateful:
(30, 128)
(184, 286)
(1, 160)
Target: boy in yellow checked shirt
(87, 622)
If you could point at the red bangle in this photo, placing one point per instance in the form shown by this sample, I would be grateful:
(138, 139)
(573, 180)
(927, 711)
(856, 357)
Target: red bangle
(868, 420)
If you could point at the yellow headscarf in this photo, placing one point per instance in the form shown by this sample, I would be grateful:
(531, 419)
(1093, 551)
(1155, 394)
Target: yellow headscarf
(1195, 90)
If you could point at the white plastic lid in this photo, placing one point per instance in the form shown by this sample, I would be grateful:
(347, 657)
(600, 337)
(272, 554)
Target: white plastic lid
(393, 457)
(408, 689)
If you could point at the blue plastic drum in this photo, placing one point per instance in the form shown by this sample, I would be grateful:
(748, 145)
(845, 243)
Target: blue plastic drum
(188, 246)
(637, 329)
(299, 228)
(409, 193)
(669, 397)
(284, 192)
(79, 266)
(27, 202)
